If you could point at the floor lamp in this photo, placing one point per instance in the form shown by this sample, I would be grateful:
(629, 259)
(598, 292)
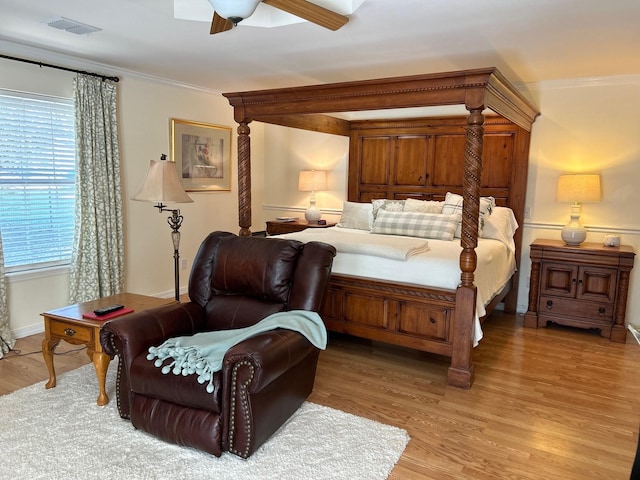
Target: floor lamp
(163, 185)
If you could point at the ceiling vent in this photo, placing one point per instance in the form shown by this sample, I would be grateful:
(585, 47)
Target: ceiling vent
(72, 26)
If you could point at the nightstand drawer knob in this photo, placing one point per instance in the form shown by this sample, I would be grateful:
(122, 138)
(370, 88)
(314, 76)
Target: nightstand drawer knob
(549, 304)
(70, 332)
(601, 311)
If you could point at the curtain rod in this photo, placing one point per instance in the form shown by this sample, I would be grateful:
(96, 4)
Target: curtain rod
(42, 64)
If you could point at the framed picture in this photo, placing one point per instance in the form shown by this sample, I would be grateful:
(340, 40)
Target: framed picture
(202, 153)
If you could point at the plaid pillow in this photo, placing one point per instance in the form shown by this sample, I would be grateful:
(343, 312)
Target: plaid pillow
(453, 204)
(414, 224)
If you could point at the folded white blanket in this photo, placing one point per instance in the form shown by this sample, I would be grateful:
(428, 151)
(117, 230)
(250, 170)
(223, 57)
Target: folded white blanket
(203, 353)
(386, 246)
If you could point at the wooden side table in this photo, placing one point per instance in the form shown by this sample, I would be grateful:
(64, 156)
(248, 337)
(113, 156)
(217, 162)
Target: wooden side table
(584, 286)
(67, 324)
(278, 227)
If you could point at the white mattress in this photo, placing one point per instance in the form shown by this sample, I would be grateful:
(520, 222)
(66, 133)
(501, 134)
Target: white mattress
(439, 267)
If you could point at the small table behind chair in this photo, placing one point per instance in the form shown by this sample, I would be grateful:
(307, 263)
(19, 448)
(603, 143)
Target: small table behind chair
(68, 324)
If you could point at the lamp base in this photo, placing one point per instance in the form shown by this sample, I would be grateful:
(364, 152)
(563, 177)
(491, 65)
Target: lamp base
(573, 237)
(312, 214)
(573, 232)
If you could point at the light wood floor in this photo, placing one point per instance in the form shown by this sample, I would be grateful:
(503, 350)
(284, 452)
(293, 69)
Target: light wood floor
(554, 403)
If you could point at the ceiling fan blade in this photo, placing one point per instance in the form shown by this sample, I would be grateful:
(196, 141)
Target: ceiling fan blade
(219, 24)
(311, 12)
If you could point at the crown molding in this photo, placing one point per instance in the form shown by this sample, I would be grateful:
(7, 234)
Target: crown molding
(65, 60)
(560, 84)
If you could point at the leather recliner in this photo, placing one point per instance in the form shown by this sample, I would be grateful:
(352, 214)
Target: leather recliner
(235, 282)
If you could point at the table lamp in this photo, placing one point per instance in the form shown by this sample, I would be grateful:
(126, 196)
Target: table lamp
(577, 188)
(312, 181)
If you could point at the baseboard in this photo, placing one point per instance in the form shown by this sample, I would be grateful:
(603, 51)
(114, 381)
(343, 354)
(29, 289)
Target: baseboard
(28, 330)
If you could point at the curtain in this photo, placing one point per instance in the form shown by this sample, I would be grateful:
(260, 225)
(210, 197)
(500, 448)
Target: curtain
(97, 260)
(6, 339)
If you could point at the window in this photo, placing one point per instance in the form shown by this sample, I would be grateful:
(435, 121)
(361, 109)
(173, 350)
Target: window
(37, 180)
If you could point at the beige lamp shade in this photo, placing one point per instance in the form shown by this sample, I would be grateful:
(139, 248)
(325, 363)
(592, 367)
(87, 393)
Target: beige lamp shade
(578, 188)
(312, 181)
(162, 184)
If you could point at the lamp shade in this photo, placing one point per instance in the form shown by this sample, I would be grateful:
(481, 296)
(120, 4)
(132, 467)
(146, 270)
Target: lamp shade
(162, 184)
(312, 181)
(235, 10)
(578, 188)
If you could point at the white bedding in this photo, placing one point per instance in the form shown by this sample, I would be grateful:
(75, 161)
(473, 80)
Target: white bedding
(437, 267)
(347, 240)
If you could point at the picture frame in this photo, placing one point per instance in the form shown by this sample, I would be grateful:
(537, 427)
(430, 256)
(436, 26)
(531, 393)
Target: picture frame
(202, 153)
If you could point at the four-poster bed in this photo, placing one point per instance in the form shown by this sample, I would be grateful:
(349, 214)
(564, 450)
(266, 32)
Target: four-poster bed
(418, 158)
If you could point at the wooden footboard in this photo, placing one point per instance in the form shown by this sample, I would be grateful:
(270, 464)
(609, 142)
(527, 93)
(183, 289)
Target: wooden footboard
(396, 313)
(400, 314)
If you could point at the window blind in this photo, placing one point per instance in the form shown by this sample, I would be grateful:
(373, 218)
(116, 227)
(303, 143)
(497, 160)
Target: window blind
(37, 180)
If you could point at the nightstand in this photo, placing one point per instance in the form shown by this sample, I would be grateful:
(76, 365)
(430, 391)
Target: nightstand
(584, 286)
(277, 227)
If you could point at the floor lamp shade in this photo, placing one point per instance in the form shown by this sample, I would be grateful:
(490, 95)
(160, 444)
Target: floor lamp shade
(163, 185)
(577, 189)
(312, 181)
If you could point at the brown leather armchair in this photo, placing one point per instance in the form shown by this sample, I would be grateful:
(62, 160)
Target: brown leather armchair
(235, 282)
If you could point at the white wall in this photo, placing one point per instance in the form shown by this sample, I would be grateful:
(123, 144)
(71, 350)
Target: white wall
(287, 151)
(586, 125)
(145, 108)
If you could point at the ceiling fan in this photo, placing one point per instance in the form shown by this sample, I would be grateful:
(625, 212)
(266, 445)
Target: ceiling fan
(228, 13)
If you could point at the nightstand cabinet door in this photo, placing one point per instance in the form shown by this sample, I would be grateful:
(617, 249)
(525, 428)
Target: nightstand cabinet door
(560, 280)
(585, 286)
(597, 284)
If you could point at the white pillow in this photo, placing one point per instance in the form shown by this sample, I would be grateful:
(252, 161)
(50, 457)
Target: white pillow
(414, 224)
(422, 206)
(501, 225)
(356, 215)
(453, 204)
(386, 204)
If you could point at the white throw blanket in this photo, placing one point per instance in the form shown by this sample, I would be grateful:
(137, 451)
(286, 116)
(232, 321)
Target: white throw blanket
(203, 353)
(386, 246)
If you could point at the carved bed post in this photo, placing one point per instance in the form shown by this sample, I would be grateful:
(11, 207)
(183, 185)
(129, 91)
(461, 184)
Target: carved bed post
(461, 370)
(244, 179)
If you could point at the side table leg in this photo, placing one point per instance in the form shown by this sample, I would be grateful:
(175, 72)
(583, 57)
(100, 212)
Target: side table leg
(48, 346)
(101, 364)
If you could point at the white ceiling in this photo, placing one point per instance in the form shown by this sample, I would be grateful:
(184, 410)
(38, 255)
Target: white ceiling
(528, 40)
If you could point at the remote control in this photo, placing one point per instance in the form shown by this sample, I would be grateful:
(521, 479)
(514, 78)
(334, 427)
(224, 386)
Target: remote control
(106, 310)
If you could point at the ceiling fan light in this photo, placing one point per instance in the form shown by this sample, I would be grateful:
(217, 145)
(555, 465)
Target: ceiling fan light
(235, 10)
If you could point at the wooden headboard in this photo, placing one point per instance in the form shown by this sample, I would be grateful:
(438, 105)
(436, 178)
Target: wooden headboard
(424, 159)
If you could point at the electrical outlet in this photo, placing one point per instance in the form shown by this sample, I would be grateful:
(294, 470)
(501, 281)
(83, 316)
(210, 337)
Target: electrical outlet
(527, 212)
(183, 264)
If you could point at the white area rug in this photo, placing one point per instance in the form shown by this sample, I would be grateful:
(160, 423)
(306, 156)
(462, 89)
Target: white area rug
(62, 434)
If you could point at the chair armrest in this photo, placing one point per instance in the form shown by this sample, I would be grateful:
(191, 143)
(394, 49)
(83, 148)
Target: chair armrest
(132, 335)
(266, 378)
(271, 354)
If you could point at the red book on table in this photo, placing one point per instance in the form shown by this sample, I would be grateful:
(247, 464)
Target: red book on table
(117, 313)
